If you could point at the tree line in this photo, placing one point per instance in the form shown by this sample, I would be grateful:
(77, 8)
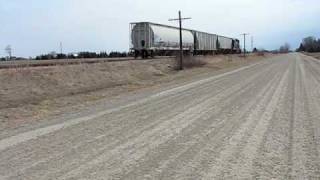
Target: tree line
(284, 48)
(82, 55)
(309, 44)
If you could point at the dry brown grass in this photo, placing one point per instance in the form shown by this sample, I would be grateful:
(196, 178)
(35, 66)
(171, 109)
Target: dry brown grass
(190, 61)
(32, 85)
(315, 55)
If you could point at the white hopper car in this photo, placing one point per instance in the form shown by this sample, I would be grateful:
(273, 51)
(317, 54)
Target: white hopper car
(149, 39)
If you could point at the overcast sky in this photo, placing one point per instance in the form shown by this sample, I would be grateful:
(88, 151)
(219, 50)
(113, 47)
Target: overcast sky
(34, 27)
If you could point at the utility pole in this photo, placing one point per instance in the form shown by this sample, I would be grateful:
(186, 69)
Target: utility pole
(180, 19)
(244, 43)
(252, 43)
(8, 50)
(60, 47)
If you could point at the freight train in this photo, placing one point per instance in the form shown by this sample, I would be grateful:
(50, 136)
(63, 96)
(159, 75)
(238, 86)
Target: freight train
(150, 39)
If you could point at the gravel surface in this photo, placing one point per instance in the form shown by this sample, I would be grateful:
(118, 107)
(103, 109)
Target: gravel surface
(261, 121)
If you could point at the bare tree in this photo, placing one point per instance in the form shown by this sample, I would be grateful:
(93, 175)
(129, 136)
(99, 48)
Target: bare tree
(285, 48)
(310, 44)
(8, 50)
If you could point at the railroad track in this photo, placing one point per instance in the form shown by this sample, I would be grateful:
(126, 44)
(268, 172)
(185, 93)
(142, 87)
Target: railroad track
(44, 63)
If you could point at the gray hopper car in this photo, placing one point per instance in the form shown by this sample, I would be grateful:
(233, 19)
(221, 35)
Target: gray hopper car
(149, 39)
(205, 43)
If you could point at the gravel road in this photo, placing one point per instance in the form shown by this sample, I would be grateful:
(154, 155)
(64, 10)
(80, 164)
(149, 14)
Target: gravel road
(257, 122)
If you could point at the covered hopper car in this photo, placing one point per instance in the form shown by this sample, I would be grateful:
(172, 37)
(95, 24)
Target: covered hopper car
(149, 39)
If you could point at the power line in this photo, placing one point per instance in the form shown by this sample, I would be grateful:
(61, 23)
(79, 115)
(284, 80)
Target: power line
(180, 19)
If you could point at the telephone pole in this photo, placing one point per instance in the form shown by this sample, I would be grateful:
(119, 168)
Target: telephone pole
(60, 47)
(252, 43)
(8, 50)
(180, 19)
(244, 43)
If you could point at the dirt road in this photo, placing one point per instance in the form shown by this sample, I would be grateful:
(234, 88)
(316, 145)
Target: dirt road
(261, 121)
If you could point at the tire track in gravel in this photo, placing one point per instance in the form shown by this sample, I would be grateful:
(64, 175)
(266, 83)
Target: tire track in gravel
(163, 162)
(313, 86)
(312, 162)
(304, 166)
(237, 159)
(244, 162)
(275, 151)
(213, 137)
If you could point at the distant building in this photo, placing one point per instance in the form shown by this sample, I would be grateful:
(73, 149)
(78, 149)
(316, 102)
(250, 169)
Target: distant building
(74, 55)
(53, 55)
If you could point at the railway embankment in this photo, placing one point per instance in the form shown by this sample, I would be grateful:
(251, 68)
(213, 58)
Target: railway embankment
(32, 93)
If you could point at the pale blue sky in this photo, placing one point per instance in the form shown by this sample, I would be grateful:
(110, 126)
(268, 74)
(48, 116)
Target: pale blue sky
(34, 27)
